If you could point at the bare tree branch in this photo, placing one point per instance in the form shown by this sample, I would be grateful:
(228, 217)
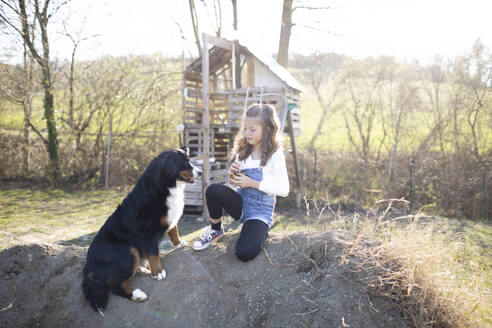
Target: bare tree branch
(54, 11)
(11, 7)
(318, 29)
(7, 20)
(183, 38)
(312, 8)
(25, 32)
(37, 132)
(194, 22)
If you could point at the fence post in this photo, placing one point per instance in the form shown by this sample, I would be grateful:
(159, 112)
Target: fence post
(296, 162)
(108, 151)
(205, 122)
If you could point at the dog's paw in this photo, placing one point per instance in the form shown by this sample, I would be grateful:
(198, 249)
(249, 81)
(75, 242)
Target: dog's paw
(138, 295)
(160, 275)
(183, 243)
(143, 270)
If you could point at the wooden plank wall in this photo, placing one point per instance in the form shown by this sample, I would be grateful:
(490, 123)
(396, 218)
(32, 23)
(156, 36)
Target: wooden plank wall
(194, 194)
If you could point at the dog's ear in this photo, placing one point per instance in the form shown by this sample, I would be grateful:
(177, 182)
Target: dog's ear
(163, 170)
(185, 150)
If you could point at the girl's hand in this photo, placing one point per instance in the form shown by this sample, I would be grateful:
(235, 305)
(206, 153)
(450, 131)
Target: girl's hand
(233, 170)
(243, 181)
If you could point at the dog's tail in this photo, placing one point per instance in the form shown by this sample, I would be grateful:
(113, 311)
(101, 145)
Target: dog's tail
(96, 293)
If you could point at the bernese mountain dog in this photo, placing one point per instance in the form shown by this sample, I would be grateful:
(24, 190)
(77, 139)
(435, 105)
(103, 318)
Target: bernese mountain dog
(131, 235)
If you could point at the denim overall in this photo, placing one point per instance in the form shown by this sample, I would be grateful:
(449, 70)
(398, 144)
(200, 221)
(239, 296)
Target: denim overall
(256, 203)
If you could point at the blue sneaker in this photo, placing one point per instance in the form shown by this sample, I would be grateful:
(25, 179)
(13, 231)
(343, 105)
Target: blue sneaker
(209, 236)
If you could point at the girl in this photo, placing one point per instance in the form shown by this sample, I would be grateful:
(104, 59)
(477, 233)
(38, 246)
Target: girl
(259, 173)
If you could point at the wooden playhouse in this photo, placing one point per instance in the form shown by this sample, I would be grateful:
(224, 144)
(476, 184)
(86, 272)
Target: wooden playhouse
(217, 88)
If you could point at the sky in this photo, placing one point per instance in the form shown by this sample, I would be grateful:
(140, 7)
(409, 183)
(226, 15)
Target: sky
(407, 30)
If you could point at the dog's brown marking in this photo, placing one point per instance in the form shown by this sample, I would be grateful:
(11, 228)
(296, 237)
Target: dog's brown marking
(136, 260)
(155, 264)
(125, 285)
(164, 223)
(187, 174)
(174, 236)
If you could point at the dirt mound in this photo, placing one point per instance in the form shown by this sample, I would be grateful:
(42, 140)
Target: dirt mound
(297, 281)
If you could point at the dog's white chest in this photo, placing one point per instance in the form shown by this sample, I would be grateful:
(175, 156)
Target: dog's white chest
(175, 204)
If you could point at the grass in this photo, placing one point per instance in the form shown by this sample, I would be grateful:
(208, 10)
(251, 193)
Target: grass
(32, 215)
(52, 214)
(437, 271)
(432, 260)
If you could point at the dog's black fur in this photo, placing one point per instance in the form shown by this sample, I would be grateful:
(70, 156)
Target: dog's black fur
(133, 232)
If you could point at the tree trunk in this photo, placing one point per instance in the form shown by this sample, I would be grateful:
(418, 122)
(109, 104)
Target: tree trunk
(234, 13)
(237, 62)
(49, 115)
(194, 21)
(44, 62)
(26, 156)
(27, 106)
(283, 47)
(49, 105)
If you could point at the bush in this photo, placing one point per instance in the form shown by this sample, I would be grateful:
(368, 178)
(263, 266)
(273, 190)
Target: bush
(450, 185)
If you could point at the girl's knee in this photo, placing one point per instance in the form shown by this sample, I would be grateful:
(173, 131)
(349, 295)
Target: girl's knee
(212, 190)
(246, 254)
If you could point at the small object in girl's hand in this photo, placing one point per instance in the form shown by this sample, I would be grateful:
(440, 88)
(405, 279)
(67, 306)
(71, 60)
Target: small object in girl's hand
(240, 173)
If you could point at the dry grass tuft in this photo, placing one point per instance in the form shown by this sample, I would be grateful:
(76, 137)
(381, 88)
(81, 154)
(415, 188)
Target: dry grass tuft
(417, 271)
(421, 270)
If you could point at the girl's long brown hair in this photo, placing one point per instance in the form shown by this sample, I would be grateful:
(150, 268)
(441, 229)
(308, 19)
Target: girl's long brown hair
(270, 140)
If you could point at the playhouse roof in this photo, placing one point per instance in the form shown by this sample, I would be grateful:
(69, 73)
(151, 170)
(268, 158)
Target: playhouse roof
(220, 56)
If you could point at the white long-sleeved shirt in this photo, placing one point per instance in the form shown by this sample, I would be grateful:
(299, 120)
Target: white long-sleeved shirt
(275, 179)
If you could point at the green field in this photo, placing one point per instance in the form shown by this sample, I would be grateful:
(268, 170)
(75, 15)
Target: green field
(417, 125)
